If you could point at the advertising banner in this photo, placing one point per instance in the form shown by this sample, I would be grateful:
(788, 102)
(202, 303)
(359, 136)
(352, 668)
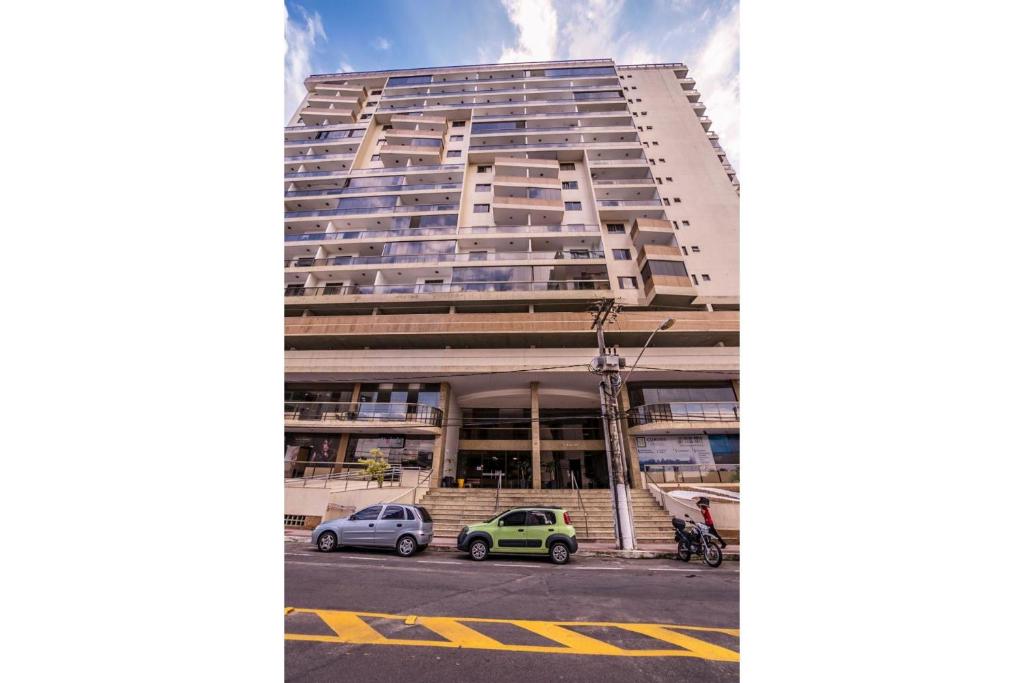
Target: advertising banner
(678, 449)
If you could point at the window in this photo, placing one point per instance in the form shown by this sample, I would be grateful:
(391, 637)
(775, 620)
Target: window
(483, 169)
(409, 80)
(643, 113)
(659, 180)
(629, 101)
(540, 518)
(668, 178)
(677, 200)
(616, 228)
(515, 518)
(573, 206)
(655, 143)
(393, 512)
(647, 144)
(365, 116)
(695, 249)
(661, 160)
(675, 225)
(369, 513)
(375, 157)
(627, 283)
(695, 280)
(481, 208)
(685, 253)
(621, 254)
(650, 127)
(483, 187)
(567, 167)
(570, 185)
(458, 124)
(371, 104)
(705, 277)
(380, 141)
(375, 92)
(457, 138)
(639, 100)
(388, 127)
(667, 202)
(686, 224)
(453, 153)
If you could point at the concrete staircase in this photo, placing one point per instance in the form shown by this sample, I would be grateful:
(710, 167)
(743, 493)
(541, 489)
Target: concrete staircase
(454, 508)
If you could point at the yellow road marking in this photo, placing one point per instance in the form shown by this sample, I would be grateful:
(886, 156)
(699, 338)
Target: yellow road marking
(350, 628)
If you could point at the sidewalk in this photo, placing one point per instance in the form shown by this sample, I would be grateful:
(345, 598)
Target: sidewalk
(647, 551)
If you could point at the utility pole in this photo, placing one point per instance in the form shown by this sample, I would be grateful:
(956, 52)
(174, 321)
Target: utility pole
(607, 365)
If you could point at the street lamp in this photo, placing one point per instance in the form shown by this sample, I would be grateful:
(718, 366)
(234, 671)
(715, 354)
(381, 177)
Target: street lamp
(665, 324)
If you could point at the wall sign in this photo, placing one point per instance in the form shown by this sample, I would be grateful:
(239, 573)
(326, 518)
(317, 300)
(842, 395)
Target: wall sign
(678, 449)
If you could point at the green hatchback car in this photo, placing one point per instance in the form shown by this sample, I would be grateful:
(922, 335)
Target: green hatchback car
(522, 531)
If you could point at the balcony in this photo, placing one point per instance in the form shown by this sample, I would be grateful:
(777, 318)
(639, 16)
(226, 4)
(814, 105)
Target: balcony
(699, 108)
(408, 122)
(610, 209)
(373, 189)
(301, 158)
(363, 417)
(658, 253)
(369, 210)
(356, 91)
(509, 229)
(519, 210)
(395, 153)
(652, 231)
(705, 122)
(435, 259)
(374, 235)
(317, 115)
(692, 95)
(580, 290)
(723, 416)
(687, 83)
(520, 166)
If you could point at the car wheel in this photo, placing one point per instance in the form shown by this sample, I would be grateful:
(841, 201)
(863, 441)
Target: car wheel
(327, 542)
(559, 553)
(478, 550)
(406, 546)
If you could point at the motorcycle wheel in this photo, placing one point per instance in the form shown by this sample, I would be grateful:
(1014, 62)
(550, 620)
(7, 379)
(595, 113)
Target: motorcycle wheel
(683, 552)
(712, 555)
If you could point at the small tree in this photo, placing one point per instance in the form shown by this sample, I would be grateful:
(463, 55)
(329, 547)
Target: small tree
(376, 465)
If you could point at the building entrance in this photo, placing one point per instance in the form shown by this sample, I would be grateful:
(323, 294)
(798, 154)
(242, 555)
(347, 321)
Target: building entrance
(588, 468)
(480, 469)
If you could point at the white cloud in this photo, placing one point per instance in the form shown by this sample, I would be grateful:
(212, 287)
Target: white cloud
(717, 72)
(536, 25)
(345, 66)
(300, 39)
(381, 43)
(591, 27)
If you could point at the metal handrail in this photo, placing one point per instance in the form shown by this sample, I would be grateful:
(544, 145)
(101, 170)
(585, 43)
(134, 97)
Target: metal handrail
(372, 210)
(370, 190)
(684, 411)
(545, 286)
(329, 411)
(579, 497)
(391, 475)
(571, 255)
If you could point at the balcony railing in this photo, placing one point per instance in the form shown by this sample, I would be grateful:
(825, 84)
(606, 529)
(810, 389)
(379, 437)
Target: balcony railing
(714, 411)
(547, 286)
(427, 208)
(370, 234)
(629, 202)
(471, 105)
(543, 145)
(617, 162)
(378, 188)
(481, 229)
(406, 169)
(626, 181)
(321, 413)
(572, 254)
(316, 157)
(542, 131)
(316, 174)
(622, 112)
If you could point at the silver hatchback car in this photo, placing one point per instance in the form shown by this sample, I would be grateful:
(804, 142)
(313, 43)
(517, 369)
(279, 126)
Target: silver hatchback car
(406, 528)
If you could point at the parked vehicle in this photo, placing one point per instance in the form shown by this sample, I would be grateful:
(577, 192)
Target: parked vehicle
(524, 530)
(406, 528)
(695, 537)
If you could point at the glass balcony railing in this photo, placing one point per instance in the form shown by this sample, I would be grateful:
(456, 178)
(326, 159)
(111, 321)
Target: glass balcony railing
(423, 208)
(468, 105)
(714, 411)
(453, 287)
(481, 229)
(326, 412)
(617, 162)
(317, 157)
(368, 189)
(544, 131)
(474, 257)
(407, 169)
(370, 234)
(572, 112)
(629, 202)
(316, 174)
(625, 181)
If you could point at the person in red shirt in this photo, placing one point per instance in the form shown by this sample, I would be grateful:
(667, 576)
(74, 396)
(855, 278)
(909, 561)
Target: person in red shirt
(703, 503)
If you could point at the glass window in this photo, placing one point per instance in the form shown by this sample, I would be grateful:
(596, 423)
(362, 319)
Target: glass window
(409, 80)
(375, 157)
(375, 92)
(408, 514)
(616, 228)
(677, 268)
(481, 208)
(416, 248)
(570, 185)
(567, 167)
(581, 71)
(425, 142)
(598, 95)
(458, 124)
(497, 126)
(457, 138)
(453, 153)
(573, 206)
(540, 518)
(493, 274)
(384, 201)
(621, 254)
(369, 513)
(483, 187)
(705, 277)
(393, 512)
(375, 181)
(627, 283)
(483, 169)
(365, 116)
(543, 193)
(515, 518)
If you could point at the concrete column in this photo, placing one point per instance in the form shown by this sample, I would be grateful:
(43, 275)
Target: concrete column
(535, 432)
(437, 460)
(632, 457)
(339, 458)
(736, 388)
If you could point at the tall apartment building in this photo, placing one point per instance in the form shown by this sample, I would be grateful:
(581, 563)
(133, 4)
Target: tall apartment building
(447, 232)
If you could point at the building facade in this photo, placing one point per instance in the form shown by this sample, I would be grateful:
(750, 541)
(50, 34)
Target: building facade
(447, 232)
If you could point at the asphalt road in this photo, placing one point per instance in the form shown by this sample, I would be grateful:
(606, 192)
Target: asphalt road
(322, 588)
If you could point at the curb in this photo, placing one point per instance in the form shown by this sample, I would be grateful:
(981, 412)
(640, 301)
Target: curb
(620, 554)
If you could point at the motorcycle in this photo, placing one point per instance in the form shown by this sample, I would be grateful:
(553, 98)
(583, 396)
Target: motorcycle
(695, 537)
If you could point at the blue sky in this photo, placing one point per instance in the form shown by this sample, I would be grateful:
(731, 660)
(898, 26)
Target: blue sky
(327, 37)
